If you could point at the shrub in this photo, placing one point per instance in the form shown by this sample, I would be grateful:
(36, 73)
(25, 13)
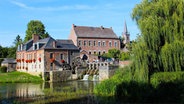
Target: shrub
(108, 87)
(1, 60)
(162, 77)
(133, 91)
(3, 69)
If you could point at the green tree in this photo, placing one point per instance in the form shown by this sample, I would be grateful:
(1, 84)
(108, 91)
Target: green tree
(11, 52)
(114, 53)
(125, 56)
(3, 52)
(17, 41)
(160, 45)
(35, 27)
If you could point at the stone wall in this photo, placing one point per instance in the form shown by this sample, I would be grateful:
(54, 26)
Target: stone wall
(78, 73)
(105, 72)
(58, 76)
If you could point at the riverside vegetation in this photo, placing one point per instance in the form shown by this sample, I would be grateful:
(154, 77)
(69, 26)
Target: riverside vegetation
(156, 73)
(165, 87)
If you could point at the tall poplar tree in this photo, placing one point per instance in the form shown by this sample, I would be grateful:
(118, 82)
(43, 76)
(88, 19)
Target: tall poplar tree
(160, 46)
(35, 27)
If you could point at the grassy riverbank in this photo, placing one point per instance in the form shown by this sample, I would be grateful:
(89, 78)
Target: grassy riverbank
(165, 87)
(18, 77)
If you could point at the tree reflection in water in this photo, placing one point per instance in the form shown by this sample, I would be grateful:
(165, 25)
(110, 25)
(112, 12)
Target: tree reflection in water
(76, 91)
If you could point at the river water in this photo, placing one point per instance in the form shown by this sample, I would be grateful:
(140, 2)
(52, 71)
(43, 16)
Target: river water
(11, 93)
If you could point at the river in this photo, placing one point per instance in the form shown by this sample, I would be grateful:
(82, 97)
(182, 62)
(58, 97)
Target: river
(30, 92)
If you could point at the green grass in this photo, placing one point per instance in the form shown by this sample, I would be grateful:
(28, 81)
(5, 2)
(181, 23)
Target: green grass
(18, 77)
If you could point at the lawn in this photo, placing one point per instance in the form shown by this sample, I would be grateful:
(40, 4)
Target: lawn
(18, 77)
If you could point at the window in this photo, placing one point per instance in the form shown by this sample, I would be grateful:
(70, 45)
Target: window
(115, 44)
(110, 44)
(71, 53)
(103, 52)
(94, 43)
(89, 53)
(89, 43)
(99, 43)
(84, 43)
(35, 46)
(103, 43)
(94, 52)
(51, 55)
(99, 53)
(79, 43)
(61, 56)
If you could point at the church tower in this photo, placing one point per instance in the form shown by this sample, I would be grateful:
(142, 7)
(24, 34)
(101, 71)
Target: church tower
(126, 35)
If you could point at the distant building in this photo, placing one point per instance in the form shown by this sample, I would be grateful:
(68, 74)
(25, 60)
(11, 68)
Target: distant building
(93, 40)
(126, 35)
(10, 63)
(126, 39)
(43, 55)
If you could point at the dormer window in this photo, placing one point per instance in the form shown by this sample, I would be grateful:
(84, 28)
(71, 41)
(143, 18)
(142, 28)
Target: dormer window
(35, 46)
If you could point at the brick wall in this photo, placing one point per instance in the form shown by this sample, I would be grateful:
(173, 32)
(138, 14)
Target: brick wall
(102, 48)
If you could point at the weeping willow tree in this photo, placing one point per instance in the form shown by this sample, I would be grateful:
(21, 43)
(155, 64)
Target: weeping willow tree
(160, 46)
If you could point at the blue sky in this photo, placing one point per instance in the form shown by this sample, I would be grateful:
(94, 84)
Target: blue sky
(59, 15)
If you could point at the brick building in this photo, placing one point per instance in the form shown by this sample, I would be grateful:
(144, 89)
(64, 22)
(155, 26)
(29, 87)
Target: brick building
(42, 55)
(93, 40)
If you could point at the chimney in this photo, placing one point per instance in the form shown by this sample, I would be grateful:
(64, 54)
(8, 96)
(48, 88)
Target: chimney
(54, 44)
(74, 25)
(35, 38)
(101, 27)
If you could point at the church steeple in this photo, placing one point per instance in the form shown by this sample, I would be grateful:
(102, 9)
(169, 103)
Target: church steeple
(125, 28)
(125, 34)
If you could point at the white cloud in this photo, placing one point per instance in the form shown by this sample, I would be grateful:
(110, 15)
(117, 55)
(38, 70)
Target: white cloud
(49, 8)
(22, 5)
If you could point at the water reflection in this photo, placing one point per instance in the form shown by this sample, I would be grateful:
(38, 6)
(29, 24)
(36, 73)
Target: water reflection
(27, 92)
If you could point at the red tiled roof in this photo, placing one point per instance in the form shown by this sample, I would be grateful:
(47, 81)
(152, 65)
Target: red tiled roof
(94, 32)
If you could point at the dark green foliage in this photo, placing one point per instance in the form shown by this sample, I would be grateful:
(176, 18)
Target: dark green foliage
(133, 92)
(1, 60)
(17, 41)
(11, 52)
(7, 52)
(136, 92)
(3, 69)
(35, 27)
(160, 77)
(165, 87)
(161, 43)
(3, 52)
